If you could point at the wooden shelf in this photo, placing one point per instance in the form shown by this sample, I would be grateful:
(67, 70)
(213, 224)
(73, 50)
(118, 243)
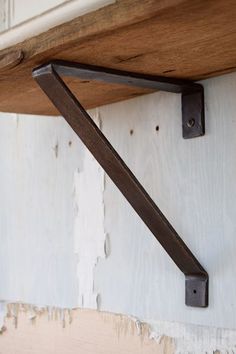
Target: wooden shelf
(176, 38)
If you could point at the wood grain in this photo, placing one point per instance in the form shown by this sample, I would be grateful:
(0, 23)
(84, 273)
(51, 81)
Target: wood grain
(89, 332)
(178, 38)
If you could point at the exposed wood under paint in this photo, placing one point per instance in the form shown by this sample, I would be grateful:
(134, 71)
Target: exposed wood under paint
(79, 331)
(28, 329)
(188, 39)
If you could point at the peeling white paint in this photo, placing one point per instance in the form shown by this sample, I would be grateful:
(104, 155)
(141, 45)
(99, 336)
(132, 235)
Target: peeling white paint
(138, 325)
(193, 339)
(3, 312)
(187, 339)
(89, 225)
(39, 227)
(12, 310)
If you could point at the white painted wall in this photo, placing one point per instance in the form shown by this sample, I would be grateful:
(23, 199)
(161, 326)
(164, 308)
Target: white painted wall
(44, 259)
(68, 238)
(193, 183)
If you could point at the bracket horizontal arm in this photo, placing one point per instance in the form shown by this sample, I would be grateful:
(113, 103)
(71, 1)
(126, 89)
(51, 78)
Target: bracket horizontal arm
(47, 76)
(98, 73)
(193, 118)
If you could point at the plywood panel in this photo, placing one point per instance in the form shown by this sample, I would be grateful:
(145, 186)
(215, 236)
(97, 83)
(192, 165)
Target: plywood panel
(188, 39)
(89, 332)
(193, 183)
(37, 259)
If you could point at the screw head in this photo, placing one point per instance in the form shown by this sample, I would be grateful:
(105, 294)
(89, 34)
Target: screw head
(191, 122)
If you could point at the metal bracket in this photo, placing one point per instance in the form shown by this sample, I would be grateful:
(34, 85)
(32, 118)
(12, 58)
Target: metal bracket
(47, 76)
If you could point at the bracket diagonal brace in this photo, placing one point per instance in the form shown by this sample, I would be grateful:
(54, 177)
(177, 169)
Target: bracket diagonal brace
(47, 76)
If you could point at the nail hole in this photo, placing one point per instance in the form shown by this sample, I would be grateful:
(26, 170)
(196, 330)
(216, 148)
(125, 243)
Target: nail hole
(157, 128)
(131, 132)
(195, 291)
(191, 122)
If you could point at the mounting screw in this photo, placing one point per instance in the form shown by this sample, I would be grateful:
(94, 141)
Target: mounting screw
(191, 122)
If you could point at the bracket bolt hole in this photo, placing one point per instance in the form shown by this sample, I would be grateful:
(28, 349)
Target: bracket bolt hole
(191, 122)
(195, 291)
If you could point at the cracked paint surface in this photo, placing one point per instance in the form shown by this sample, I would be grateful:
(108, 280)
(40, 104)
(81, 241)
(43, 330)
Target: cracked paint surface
(169, 337)
(89, 231)
(76, 331)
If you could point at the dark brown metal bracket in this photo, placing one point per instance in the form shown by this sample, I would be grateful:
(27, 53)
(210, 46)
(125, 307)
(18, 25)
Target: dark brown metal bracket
(47, 76)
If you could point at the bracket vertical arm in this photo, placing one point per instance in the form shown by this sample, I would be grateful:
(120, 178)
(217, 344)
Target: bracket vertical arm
(47, 76)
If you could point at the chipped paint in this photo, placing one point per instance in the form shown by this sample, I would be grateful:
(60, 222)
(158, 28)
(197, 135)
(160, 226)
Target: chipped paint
(176, 338)
(171, 337)
(52, 330)
(195, 339)
(90, 238)
(3, 311)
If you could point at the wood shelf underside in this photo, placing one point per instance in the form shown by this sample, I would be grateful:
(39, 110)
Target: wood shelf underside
(182, 39)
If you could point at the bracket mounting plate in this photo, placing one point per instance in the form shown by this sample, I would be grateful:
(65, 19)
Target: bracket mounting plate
(196, 288)
(193, 121)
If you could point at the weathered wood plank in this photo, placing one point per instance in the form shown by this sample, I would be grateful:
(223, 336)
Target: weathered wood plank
(188, 39)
